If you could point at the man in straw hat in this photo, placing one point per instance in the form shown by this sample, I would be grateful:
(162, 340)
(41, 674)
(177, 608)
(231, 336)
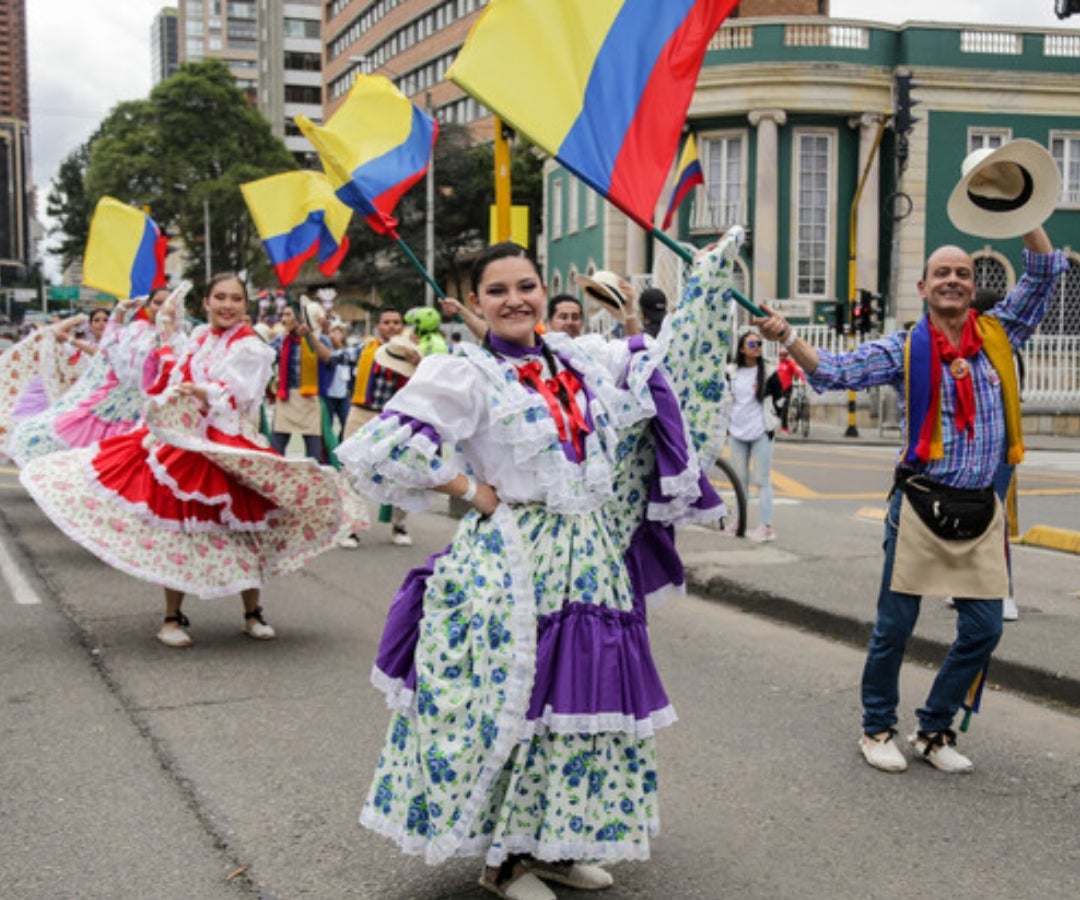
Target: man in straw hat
(387, 359)
(959, 402)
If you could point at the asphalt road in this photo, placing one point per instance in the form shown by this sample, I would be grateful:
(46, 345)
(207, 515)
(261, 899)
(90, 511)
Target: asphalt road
(236, 769)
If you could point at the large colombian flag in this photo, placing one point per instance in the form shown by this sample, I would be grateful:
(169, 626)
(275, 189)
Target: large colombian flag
(602, 85)
(374, 148)
(298, 216)
(125, 251)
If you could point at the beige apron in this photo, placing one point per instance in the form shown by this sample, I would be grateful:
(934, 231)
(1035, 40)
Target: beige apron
(358, 418)
(926, 564)
(298, 414)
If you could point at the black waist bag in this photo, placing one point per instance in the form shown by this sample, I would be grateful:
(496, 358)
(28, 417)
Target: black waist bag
(956, 514)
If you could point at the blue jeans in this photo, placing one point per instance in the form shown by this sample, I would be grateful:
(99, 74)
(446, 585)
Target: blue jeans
(754, 459)
(279, 440)
(978, 630)
(1002, 479)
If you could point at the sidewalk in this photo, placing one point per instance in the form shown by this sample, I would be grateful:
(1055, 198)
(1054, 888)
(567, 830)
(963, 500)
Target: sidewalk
(823, 571)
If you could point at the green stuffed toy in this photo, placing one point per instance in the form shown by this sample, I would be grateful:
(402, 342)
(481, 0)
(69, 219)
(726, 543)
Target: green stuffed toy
(425, 322)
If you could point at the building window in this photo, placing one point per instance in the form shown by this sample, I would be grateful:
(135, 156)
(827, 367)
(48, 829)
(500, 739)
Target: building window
(988, 138)
(590, 207)
(992, 272)
(1065, 148)
(573, 188)
(720, 202)
(556, 208)
(814, 165)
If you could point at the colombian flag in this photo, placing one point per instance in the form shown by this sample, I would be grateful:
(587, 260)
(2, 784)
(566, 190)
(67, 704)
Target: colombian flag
(374, 148)
(298, 215)
(603, 86)
(687, 175)
(125, 252)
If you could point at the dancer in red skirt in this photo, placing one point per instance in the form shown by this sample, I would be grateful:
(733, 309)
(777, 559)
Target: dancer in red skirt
(194, 499)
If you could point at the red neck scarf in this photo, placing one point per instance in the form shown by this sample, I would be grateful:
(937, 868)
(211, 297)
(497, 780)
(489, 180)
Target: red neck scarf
(283, 365)
(960, 369)
(559, 393)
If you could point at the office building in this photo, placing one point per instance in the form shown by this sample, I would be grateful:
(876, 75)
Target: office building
(164, 44)
(290, 70)
(17, 201)
(226, 30)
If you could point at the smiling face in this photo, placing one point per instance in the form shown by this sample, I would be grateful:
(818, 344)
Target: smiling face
(226, 303)
(99, 318)
(390, 323)
(948, 286)
(511, 298)
(566, 317)
(288, 319)
(153, 305)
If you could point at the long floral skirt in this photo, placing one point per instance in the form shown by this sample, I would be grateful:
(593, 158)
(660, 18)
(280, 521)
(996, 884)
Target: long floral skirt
(525, 696)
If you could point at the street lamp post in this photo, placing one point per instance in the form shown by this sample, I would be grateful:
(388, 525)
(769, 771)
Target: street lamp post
(206, 238)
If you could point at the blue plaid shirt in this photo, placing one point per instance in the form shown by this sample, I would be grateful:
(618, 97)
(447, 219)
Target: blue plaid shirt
(966, 463)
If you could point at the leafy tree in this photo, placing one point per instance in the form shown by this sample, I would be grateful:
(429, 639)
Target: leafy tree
(69, 206)
(183, 152)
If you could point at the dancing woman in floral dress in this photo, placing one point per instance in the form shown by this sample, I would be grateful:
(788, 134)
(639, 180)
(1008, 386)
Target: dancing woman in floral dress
(517, 662)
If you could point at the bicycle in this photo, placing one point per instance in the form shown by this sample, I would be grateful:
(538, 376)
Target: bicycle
(799, 409)
(733, 493)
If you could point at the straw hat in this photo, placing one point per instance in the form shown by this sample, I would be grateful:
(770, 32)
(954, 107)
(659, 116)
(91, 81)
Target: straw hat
(603, 286)
(395, 353)
(1005, 192)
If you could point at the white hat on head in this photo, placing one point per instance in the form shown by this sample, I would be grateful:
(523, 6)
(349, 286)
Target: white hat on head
(603, 286)
(1005, 192)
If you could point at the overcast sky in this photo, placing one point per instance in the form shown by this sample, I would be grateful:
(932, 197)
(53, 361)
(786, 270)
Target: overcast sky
(88, 55)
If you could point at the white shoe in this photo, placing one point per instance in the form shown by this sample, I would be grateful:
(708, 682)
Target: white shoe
(525, 887)
(349, 542)
(882, 753)
(255, 626)
(175, 637)
(949, 602)
(401, 538)
(762, 534)
(940, 751)
(578, 875)
(1009, 612)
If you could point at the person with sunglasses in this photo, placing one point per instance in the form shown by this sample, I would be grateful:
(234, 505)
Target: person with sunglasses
(756, 398)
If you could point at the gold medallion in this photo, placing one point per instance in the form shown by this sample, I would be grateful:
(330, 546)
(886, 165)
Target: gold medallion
(959, 369)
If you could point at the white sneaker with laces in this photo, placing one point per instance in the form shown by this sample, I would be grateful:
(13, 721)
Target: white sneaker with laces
(882, 753)
(939, 749)
(349, 542)
(762, 534)
(1009, 612)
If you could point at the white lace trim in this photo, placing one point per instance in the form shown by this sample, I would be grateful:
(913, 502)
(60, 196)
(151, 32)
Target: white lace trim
(398, 697)
(599, 723)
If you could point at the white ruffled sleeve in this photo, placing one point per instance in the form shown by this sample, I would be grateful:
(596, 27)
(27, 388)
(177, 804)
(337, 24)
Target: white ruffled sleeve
(398, 457)
(241, 380)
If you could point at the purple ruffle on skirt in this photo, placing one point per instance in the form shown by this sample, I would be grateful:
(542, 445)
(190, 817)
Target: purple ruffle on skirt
(653, 563)
(396, 658)
(32, 400)
(593, 661)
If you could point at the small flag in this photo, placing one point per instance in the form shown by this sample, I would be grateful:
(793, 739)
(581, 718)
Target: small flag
(298, 216)
(374, 148)
(687, 175)
(617, 79)
(125, 251)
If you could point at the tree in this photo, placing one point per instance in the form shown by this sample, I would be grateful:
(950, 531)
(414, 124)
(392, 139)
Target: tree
(182, 152)
(70, 207)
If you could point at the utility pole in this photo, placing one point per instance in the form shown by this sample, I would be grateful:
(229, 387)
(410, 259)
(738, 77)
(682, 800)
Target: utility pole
(429, 224)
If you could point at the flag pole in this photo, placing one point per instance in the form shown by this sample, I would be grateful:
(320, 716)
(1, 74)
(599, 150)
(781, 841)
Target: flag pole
(420, 267)
(731, 294)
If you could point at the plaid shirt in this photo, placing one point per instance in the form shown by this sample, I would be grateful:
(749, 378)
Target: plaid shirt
(384, 383)
(967, 463)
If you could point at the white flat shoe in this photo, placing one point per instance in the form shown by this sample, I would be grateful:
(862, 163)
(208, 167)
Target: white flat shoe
(578, 875)
(525, 887)
(255, 626)
(175, 637)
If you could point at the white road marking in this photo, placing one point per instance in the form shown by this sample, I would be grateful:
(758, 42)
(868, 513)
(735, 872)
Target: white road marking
(21, 591)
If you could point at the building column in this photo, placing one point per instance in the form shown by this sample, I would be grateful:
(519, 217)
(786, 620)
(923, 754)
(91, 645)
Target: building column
(765, 236)
(868, 225)
(636, 239)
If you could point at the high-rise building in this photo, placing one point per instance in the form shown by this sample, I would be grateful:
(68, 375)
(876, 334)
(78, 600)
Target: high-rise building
(290, 69)
(164, 44)
(16, 200)
(411, 42)
(226, 30)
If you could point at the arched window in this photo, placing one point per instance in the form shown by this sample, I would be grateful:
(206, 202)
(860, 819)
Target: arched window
(1064, 314)
(993, 271)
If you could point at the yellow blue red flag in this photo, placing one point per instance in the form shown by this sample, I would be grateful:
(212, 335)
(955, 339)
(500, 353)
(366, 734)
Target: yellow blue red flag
(603, 86)
(687, 174)
(125, 251)
(374, 147)
(298, 216)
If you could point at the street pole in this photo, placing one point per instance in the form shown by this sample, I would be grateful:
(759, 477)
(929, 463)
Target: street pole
(429, 225)
(206, 238)
(502, 183)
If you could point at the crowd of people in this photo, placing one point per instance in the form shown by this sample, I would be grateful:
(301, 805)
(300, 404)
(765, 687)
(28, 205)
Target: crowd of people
(516, 661)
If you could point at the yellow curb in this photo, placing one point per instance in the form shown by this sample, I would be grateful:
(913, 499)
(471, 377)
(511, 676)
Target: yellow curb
(876, 513)
(1053, 538)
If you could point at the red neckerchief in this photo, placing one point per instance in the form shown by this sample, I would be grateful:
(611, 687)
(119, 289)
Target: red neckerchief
(283, 366)
(561, 403)
(959, 368)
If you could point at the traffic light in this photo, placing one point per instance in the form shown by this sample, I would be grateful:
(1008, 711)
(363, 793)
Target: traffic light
(903, 120)
(867, 312)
